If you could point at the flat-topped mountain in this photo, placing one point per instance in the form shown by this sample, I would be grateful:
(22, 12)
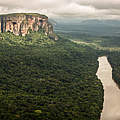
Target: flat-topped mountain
(23, 23)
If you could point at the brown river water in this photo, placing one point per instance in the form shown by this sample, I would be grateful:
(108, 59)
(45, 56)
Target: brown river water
(111, 106)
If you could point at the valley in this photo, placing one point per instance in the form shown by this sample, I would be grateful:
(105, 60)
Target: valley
(44, 78)
(108, 46)
(59, 60)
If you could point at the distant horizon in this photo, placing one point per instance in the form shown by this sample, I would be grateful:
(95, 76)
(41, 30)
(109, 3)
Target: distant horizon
(62, 18)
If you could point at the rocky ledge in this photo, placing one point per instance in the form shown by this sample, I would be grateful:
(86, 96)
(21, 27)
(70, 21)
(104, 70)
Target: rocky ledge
(23, 23)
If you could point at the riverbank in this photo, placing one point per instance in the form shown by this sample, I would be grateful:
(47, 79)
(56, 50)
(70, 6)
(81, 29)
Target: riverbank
(111, 106)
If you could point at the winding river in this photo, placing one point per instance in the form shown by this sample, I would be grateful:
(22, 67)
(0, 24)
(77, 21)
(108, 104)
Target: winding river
(111, 106)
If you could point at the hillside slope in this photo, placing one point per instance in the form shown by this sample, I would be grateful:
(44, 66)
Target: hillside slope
(48, 80)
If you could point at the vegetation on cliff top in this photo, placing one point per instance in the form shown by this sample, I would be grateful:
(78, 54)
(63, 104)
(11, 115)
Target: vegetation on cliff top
(22, 14)
(32, 39)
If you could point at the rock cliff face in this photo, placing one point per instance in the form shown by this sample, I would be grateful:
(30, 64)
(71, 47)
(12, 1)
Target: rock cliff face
(23, 23)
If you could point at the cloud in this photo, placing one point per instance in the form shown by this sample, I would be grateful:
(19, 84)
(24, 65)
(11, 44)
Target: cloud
(74, 9)
(33, 4)
(65, 8)
(101, 4)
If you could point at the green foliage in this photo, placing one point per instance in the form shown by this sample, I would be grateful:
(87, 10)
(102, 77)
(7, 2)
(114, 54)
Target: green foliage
(114, 59)
(38, 111)
(32, 39)
(105, 43)
(27, 14)
(55, 79)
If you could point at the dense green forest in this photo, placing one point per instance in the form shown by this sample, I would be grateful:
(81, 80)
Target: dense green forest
(104, 40)
(114, 59)
(43, 79)
(105, 45)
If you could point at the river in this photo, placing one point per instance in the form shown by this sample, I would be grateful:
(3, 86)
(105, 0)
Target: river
(111, 106)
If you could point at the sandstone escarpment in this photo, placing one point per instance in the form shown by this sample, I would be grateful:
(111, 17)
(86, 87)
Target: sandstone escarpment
(23, 23)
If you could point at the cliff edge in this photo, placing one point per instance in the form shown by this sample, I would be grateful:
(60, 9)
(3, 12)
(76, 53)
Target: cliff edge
(23, 23)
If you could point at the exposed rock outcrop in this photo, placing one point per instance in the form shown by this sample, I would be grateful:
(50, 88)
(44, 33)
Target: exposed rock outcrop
(23, 23)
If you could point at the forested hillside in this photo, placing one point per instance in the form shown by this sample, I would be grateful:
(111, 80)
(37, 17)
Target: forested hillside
(114, 59)
(43, 79)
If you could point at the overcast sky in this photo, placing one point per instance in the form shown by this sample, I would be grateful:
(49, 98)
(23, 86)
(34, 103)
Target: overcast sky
(101, 9)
